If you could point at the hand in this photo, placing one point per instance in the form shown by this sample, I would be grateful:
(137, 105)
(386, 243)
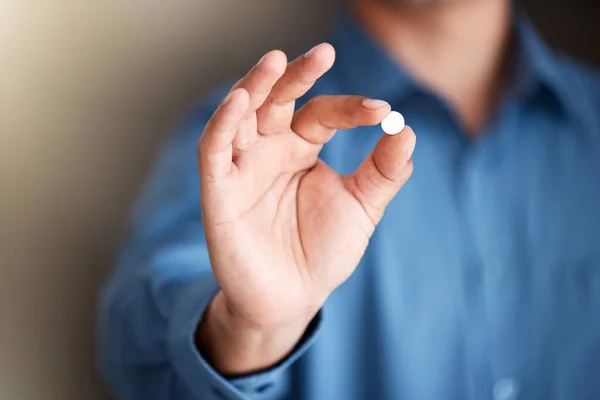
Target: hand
(283, 229)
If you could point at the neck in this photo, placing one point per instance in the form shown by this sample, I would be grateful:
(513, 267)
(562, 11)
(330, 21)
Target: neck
(456, 50)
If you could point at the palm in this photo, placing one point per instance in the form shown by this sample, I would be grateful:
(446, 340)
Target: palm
(295, 227)
(283, 229)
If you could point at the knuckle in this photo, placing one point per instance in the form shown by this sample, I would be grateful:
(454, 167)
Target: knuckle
(350, 102)
(311, 108)
(317, 101)
(208, 178)
(362, 186)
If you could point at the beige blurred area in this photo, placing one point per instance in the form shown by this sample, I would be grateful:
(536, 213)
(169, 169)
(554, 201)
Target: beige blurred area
(87, 92)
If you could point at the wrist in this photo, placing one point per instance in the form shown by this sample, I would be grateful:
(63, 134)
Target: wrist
(235, 346)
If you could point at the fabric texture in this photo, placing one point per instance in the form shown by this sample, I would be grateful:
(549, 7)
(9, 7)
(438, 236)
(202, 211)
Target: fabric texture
(481, 282)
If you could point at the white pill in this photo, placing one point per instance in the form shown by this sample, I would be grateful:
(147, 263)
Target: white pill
(393, 123)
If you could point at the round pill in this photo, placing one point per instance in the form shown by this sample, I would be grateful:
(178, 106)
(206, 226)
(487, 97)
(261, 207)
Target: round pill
(393, 123)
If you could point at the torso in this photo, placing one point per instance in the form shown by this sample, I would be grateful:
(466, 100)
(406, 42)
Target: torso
(485, 270)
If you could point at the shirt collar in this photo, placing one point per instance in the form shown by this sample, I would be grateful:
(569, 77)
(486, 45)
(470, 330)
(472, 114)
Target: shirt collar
(366, 69)
(537, 69)
(364, 66)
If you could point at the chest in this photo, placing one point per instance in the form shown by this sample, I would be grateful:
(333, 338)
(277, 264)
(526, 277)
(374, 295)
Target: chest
(486, 264)
(524, 197)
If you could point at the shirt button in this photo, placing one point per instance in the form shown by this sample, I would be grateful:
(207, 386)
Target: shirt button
(505, 389)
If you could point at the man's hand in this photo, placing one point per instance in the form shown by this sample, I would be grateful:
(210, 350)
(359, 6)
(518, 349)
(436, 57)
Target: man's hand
(283, 229)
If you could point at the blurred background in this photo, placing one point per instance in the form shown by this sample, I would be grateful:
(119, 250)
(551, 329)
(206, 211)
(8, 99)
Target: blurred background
(87, 92)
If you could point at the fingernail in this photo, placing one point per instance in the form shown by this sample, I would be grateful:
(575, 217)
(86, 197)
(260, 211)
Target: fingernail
(373, 104)
(410, 149)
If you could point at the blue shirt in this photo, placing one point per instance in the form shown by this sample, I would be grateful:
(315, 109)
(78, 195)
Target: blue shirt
(481, 282)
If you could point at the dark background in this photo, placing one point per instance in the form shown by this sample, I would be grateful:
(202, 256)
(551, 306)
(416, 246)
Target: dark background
(571, 26)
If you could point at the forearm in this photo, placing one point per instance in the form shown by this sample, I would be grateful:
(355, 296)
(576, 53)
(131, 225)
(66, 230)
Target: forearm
(234, 347)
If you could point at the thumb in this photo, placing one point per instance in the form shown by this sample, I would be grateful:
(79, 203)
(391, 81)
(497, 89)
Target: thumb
(383, 172)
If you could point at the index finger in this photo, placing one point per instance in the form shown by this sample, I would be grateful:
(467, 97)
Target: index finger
(299, 76)
(317, 120)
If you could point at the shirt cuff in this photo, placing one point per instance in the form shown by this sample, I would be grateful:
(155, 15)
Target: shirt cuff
(198, 375)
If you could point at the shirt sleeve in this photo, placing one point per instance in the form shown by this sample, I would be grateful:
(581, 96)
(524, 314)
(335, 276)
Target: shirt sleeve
(152, 303)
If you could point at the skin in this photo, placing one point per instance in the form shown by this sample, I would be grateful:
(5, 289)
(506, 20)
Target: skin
(441, 43)
(418, 4)
(283, 229)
